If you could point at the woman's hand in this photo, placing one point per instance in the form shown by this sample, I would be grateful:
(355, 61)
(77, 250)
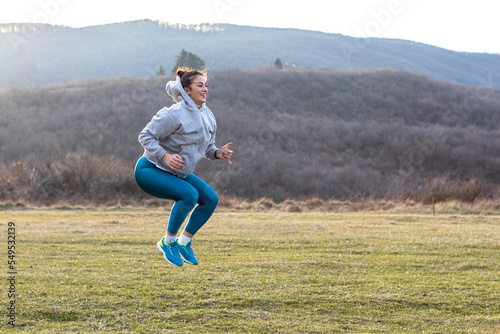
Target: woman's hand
(225, 153)
(174, 161)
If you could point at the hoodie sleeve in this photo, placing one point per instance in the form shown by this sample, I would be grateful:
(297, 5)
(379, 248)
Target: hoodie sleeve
(211, 149)
(160, 126)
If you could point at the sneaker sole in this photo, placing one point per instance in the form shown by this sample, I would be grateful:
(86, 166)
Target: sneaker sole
(183, 259)
(165, 256)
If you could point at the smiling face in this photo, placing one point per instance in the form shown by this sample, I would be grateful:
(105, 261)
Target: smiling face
(198, 90)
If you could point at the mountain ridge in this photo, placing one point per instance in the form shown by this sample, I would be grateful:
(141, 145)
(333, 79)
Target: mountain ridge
(33, 54)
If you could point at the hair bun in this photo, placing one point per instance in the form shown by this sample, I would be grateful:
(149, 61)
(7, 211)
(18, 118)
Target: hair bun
(182, 70)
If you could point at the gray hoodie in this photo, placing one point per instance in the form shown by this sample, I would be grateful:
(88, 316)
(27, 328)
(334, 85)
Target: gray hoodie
(182, 129)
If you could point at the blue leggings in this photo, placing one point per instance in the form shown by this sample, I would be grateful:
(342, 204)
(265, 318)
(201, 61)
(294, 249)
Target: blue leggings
(185, 192)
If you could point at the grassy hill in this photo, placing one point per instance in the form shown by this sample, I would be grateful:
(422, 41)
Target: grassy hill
(297, 134)
(40, 54)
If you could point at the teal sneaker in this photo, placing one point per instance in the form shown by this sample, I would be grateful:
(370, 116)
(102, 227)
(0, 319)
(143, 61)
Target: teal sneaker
(186, 253)
(170, 252)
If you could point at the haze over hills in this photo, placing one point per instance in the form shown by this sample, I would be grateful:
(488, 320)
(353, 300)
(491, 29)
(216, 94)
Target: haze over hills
(34, 54)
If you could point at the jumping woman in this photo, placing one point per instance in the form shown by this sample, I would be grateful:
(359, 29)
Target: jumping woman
(174, 141)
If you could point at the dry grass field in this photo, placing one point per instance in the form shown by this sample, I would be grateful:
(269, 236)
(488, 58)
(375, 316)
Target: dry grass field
(261, 271)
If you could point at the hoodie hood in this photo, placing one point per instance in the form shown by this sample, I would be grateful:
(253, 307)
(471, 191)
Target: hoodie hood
(178, 94)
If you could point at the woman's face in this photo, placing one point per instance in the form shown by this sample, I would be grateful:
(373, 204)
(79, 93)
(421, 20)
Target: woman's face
(198, 90)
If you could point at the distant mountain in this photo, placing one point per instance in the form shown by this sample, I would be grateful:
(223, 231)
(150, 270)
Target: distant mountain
(32, 54)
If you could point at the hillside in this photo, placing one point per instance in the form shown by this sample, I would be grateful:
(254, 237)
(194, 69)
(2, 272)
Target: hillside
(43, 54)
(305, 133)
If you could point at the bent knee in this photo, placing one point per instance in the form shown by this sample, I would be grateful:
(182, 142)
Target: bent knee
(215, 199)
(210, 199)
(191, 197)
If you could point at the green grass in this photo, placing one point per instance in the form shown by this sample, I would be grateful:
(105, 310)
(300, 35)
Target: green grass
(260, 272)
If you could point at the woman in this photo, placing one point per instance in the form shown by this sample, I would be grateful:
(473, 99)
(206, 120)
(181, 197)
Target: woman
(174, 141)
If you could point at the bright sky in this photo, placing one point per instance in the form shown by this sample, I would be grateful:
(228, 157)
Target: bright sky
(458, 25)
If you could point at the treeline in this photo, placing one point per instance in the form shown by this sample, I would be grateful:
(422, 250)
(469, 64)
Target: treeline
(297, 134)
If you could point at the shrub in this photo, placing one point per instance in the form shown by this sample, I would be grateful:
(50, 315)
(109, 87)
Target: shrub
(444, 189)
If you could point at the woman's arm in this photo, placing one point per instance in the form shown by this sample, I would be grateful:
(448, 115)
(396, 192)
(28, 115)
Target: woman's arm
(160, 126)
(225, 153)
